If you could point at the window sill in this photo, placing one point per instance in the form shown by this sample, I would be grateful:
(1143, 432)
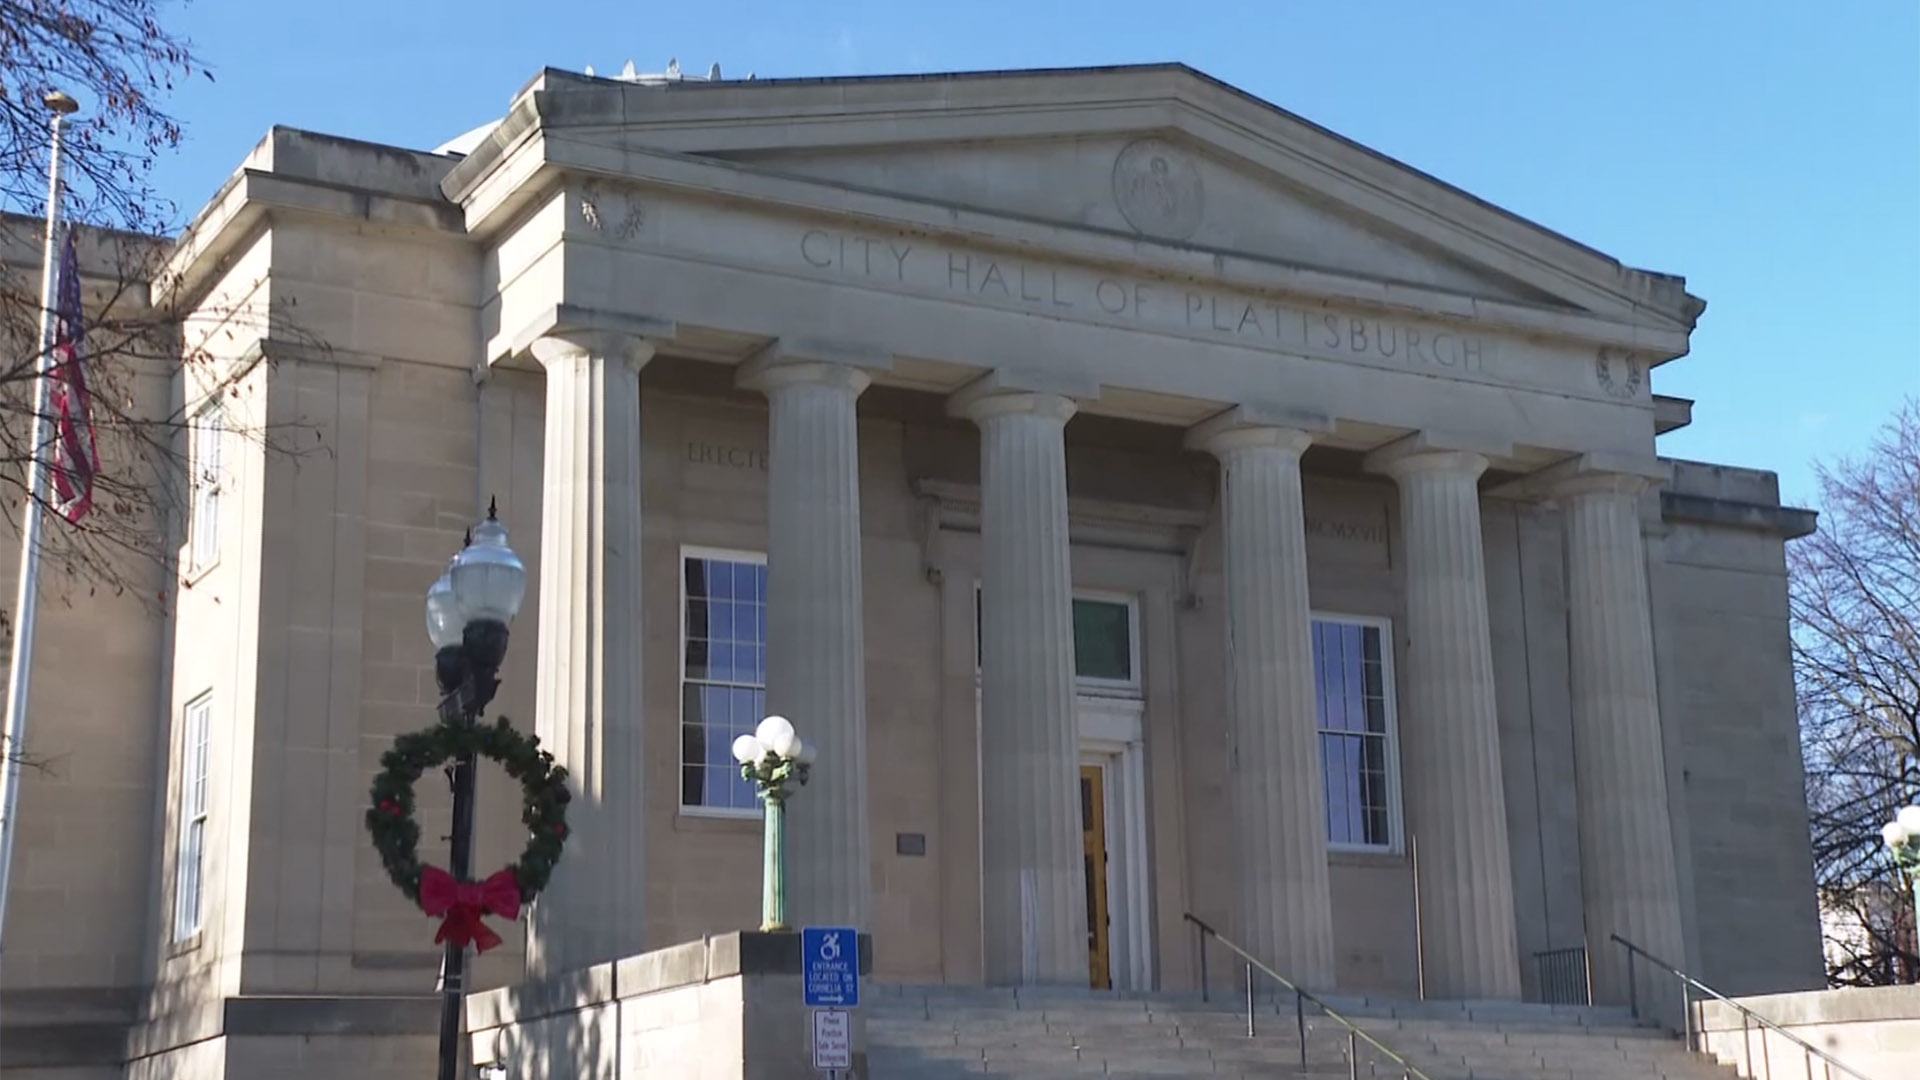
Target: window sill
(195, 575)
(182, 946)
(1375, 858)
(692, 819)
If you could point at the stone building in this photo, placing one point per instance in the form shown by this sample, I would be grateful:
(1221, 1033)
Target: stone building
(1147, 501)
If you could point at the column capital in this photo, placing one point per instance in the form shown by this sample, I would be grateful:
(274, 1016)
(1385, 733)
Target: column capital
(793, 362)
(1251, 426)
(557, 346)
(1590, 474)
(1007, 391)
(1436, 451)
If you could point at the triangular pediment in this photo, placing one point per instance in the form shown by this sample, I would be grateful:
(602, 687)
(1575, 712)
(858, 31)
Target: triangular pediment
(1162, 154)
(1158, 187)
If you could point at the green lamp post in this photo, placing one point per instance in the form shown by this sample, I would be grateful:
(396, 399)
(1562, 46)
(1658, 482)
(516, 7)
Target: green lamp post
(772, 758)
(1902, 836)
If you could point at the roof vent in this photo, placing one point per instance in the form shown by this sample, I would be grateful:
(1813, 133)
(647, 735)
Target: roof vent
(673, 74)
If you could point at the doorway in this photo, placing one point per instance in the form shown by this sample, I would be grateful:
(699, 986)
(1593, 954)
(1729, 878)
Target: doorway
(1093, 839)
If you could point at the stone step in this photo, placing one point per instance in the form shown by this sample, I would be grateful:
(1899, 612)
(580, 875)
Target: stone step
(1052, 1034)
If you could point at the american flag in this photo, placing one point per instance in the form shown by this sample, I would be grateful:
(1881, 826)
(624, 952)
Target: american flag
(76, 458)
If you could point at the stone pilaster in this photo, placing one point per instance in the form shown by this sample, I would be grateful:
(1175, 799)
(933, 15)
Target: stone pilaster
(1449, 730)
(816, 648)
(1034, 906)
(1626, 840)
(1282, 908)
(588, 700)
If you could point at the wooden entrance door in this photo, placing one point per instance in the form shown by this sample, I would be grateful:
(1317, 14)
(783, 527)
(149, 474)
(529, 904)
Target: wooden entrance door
(1093, 825)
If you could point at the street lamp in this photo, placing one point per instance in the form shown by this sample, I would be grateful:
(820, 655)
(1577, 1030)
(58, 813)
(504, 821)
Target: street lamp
(1902, 836)
(468, 610)
(770, 758)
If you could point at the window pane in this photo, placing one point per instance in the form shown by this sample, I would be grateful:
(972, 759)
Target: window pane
(1374, 772)
(692, 754)
(1102, 640)
(698, 653)
(719, 578)
(1320, 703)
(1350, 699)
(725, 672)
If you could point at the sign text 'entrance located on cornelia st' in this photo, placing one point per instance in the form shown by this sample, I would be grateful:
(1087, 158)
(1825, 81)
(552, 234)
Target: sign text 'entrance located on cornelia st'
(830, 966)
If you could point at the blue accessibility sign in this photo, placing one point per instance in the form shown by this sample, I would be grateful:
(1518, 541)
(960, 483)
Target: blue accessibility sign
(830, 966)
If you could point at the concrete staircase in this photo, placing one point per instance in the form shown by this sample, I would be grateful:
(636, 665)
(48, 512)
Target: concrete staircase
(944, 1033)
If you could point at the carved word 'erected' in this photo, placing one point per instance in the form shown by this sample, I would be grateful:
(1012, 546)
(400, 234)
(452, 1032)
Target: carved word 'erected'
(726, 457)
(1069, 291)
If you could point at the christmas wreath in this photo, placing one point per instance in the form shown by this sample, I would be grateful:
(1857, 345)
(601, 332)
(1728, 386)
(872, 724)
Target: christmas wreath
(396, 834)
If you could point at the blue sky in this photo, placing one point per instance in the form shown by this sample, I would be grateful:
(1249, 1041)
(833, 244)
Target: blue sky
(1769, 152)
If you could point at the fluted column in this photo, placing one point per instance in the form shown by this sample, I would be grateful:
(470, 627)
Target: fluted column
(1282, 911)
(588, 698)
(1449, 732)
(1034, 909)
(816, 646)
(1626, 838)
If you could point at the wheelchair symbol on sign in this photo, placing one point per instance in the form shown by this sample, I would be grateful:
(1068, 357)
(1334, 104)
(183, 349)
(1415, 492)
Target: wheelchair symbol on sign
(830, 947)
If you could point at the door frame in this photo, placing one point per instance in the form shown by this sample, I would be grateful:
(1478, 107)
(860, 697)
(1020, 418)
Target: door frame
(1112, 735)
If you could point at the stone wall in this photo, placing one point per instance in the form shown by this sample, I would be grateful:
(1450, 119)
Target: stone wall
(1727, 699)
(722, 1008)
(1873, 1031)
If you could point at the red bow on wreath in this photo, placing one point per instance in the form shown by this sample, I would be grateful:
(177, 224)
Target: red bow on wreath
(460, 905)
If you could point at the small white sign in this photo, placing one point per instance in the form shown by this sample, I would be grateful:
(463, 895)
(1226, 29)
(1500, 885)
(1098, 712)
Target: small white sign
(832, 1039)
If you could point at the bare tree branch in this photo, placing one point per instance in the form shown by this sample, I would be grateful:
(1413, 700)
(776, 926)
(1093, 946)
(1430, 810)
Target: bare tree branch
(1854, 594)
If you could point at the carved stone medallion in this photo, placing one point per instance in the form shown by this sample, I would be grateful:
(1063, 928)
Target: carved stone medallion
(1157, 188)
(596, 205)
(1619, 373)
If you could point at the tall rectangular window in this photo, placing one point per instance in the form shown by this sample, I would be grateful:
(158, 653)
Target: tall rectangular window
(723, 686)
(1353, 702)
(205, 459)
(189, 883)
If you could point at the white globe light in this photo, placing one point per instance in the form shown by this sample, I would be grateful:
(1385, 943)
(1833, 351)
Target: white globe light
(747, 750)
(776, 734)
(1909, 819)
(488, 578)
(1895, 834)
(806, 753)
(446, 622)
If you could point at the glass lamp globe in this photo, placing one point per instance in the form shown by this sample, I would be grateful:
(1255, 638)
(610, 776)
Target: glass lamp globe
(488, 578)
(445, 620)
(806, 753)
(747, 750)
(1909, 819)
(776, 734)
(1894, 833)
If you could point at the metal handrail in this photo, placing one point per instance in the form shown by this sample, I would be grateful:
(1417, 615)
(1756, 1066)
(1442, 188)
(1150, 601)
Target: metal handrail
(1409, 1070)
(1746, 1015)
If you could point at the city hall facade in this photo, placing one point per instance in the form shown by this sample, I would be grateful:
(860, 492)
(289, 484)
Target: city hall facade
(1147, 502)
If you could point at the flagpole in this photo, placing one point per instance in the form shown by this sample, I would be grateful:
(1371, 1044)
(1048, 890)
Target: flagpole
(20, 667)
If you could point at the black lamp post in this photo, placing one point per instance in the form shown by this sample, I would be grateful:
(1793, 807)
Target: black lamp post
(468, 610)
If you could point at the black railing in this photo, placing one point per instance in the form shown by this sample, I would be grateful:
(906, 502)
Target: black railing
(1355, 1036)
(1689, 984)
(1563, 977)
